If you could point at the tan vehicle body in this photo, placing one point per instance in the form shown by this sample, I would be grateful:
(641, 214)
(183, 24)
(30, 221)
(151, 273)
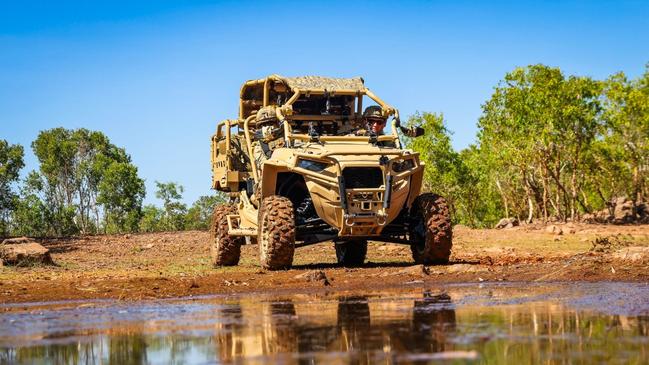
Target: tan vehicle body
(357, 185)
(366, 215)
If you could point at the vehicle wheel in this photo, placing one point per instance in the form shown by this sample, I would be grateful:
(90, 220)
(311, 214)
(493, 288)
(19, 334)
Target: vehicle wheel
(276, 233)
(225, 249)
(431, 234)
(351, 253)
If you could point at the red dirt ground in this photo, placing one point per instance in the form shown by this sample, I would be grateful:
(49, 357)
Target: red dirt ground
(173, 264)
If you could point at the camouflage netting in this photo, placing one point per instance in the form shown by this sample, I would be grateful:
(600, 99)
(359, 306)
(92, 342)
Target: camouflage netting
(319, 82)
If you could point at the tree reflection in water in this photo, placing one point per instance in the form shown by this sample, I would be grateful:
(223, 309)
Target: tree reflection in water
(348, 329)
(129, 349)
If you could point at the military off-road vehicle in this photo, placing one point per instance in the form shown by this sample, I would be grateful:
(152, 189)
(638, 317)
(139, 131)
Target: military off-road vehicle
(302, 166)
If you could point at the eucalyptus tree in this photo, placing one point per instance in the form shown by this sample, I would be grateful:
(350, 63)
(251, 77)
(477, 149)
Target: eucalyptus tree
(86, 179)
(536, 128)
(11, 162)
(171, 194)
(627, 130)
(199, 214)
(445, 173)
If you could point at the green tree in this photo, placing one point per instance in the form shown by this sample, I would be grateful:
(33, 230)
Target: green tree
(479, 201)
(31, 217)
(626, 137)
(151, 220)
(74, 165)
(536, 131)
(11, 162)
(174, 210)
(121, 192)
(200, 214)
(445, 174)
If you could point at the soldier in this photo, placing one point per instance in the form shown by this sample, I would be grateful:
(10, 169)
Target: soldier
(267, 134)
(374, 121)
(373, 116)
(374, 124)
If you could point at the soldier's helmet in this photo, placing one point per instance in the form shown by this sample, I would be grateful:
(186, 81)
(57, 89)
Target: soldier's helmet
(266, 114)
(373, 112)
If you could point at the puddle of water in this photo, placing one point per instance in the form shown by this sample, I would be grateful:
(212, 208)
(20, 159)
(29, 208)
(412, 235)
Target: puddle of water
(494, 324)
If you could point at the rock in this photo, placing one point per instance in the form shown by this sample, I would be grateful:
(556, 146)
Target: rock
(507, 223)
(633, 253)
(461, 268)
(22, 254)
(415, 270)
(316, 275)
(588, 218)
(642, 210)
(500, 250)
(16, 240)
(620, 211)
(414, 282)
(623, 211)
(554, 229)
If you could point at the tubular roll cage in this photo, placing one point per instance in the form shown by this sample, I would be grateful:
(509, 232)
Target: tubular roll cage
(284, 114)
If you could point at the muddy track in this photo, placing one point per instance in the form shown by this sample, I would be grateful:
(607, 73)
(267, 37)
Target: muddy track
(160, 265)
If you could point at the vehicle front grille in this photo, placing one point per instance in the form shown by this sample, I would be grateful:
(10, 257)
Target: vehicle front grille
(363, 177)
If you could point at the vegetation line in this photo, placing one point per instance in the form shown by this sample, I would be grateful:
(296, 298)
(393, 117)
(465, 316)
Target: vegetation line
(549, 147)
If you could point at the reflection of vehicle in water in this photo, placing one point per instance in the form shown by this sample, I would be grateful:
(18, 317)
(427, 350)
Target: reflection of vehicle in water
(391, 328)
(356, 325)
(237, 337)
(369, 326)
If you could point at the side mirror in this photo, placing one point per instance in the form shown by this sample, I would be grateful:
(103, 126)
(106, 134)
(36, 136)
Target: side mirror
(413, 131)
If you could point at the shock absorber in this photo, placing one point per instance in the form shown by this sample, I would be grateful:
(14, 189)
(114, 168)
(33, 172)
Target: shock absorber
(387, 196)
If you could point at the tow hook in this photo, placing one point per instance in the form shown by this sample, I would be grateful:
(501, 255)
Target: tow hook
(381, 219)
(348, 220)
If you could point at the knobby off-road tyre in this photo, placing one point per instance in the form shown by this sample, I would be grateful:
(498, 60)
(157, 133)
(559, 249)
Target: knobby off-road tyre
(351, 253)
(431, 234)
(225, 249)
(276, 233)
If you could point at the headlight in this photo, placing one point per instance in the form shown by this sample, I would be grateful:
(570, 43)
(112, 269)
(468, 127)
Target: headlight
(315, 166)
(402, 165)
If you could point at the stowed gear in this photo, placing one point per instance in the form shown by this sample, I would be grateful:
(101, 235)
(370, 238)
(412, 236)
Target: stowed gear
(265, 115)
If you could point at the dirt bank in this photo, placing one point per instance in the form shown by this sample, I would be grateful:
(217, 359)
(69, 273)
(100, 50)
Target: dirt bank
(175, 264)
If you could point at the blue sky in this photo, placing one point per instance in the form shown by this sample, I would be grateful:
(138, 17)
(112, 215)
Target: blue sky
(156, 76)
